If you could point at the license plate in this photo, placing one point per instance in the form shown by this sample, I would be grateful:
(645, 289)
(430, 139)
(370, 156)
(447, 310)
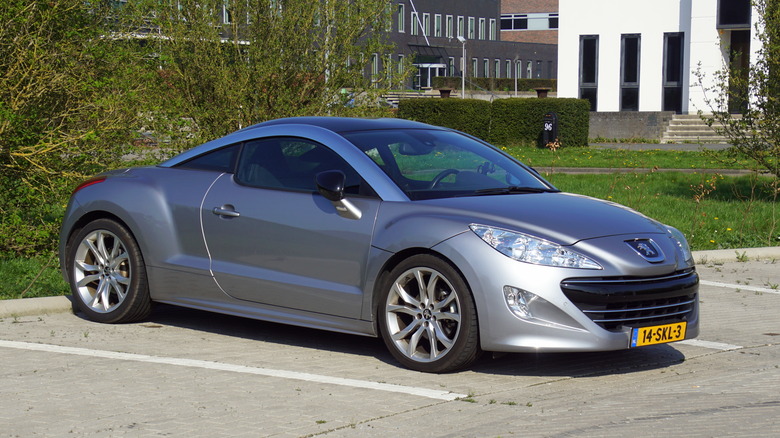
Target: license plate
(658, 334)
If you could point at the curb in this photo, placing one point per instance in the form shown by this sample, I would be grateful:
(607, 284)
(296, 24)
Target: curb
(62, 304)
(35, 306)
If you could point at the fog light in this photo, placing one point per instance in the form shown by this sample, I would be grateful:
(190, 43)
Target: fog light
(520, 301)
(534, 309)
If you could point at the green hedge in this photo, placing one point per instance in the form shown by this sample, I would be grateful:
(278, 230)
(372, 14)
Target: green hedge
(520, 120)
(468, 115)
(504, 121)
(493, 84)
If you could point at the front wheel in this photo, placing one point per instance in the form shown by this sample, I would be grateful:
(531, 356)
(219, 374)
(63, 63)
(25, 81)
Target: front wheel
(427, 316)
(107, 274)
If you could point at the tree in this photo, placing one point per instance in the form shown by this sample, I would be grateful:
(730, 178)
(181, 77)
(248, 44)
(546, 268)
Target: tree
(62, 103)
(227, 64)
(755, 132)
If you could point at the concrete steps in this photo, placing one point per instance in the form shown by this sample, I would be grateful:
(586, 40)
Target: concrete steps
(690, 128)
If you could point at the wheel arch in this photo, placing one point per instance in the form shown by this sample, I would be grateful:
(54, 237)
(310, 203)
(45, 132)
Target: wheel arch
(78, 225)
(394, 261)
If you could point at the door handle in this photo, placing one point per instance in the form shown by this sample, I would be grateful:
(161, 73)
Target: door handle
(226, 211)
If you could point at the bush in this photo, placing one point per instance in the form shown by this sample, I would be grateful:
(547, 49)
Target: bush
(519, 121)
(468, 115)
(505, 121)
(494, 84)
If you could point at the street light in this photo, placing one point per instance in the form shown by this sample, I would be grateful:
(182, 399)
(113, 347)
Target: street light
(463, 69)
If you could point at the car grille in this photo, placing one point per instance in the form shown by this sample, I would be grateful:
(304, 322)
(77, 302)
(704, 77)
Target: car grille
(617, 302)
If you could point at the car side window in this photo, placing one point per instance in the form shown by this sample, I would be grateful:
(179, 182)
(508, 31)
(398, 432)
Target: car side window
(292, 164)
(221, 160)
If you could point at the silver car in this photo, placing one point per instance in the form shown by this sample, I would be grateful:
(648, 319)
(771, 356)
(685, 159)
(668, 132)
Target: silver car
(431, 239)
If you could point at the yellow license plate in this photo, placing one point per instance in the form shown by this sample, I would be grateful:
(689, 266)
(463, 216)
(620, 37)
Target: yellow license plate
(658, 334)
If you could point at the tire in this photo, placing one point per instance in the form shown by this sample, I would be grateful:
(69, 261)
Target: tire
(432, 328)
(107, 274)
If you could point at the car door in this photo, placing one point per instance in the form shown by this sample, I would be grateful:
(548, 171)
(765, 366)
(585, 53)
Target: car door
(273, 240)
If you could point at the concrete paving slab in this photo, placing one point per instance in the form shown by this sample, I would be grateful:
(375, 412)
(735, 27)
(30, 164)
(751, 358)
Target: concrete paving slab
(696, 389)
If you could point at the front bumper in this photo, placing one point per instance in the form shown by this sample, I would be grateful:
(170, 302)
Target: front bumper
(579, 310)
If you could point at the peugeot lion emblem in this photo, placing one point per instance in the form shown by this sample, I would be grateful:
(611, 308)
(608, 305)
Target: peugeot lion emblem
(647, 249)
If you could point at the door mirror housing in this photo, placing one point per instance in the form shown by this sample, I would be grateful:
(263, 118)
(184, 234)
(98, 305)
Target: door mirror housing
(330, 184)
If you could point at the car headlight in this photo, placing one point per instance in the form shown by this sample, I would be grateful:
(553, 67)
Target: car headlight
(679, 238)
(530, 249)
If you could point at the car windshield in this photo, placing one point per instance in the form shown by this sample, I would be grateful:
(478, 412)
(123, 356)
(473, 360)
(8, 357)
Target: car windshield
(431, 164)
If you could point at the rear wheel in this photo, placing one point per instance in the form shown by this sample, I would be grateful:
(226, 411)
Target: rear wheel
(427, 316)
(107, 273)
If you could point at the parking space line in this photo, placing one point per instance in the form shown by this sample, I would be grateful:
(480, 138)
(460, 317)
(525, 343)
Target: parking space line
(208, 365)
(709, 344)
(740, 287)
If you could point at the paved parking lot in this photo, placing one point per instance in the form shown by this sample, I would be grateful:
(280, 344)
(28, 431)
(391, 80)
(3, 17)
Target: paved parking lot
(190, 373)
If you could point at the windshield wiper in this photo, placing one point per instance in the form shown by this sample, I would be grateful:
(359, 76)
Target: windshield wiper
(513, 190)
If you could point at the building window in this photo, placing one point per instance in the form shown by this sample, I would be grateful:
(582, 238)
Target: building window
(474, 67)
(673, 80)
(437, 25)
(552, 22)
(519, 69)
(472, 30)
(589, 56)
(460, 27)
(401, 18)
(537, 21)
(486, 68)
(426, 24)
(450, 33)
(226, 13)
(629, 72)
(529, 69)
(451, 67)
(375, 69)
(401, 65)
(514, 21)
(734, 14)
(508, 68)
(497, 68)
(415, 29)
(482, 28)
(493, 32)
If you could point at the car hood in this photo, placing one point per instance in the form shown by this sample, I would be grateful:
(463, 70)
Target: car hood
(564, 218)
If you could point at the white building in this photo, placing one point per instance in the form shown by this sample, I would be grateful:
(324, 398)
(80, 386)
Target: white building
(639, 55)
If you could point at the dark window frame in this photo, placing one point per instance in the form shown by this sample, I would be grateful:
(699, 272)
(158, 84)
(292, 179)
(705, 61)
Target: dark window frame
(589, 89)
(630, 70)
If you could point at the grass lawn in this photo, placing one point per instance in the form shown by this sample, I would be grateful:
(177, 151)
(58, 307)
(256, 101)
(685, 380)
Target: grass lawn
(714, 212)
(623, 158)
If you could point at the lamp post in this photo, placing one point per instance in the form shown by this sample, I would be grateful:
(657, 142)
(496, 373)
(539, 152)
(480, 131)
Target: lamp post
(463, 69)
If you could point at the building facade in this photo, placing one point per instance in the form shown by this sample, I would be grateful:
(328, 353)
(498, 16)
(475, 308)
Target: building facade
(529, 21)
(635, 55)
(434, 34)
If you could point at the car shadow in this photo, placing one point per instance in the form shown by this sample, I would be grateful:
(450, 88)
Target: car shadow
(584, 364)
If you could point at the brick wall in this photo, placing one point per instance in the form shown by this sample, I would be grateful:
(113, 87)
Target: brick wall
(531, 36)
(528, 6)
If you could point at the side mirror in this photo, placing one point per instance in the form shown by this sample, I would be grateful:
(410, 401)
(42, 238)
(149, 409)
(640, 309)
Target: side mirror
(330, 184)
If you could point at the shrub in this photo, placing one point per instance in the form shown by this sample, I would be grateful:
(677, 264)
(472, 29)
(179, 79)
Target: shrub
(494, 84)
(468, 115)
(504, 121)
(520, 121)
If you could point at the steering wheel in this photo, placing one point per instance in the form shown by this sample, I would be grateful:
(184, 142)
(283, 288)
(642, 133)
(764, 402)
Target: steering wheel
(443, 174)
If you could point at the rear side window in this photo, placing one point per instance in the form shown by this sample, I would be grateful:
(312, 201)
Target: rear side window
(221, 160)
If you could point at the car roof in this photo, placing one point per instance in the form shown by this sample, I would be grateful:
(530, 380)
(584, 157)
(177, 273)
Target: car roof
(336, 125)
(346, 124)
